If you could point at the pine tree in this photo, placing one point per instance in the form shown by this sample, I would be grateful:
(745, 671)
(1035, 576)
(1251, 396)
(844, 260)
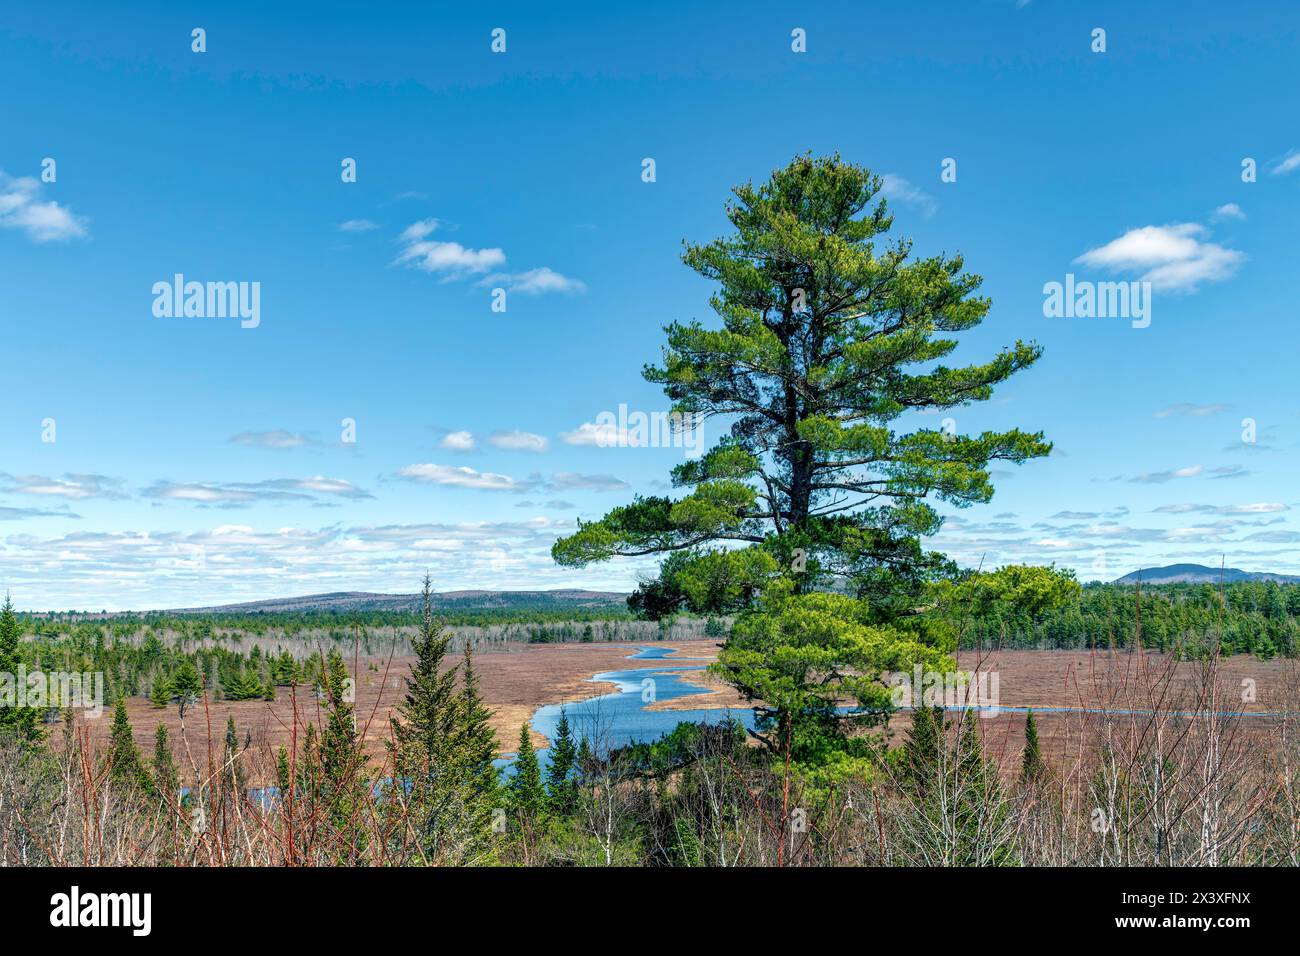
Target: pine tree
(477, 749)
(161, 693)
(342, 759)
(425, 737)
(23, 722)
(563, 755)
(921, 756)
(1031, 763)
(527, 796)
(827, 334)
(166, 777)
(583, 764)
(979, 807)
(125, 762)
(235, 776)
(282, 771)
(186, 683)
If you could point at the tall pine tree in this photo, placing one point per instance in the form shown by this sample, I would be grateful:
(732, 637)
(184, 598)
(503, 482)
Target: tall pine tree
(22, 722)
(125, 763)
(1031, 761)
(559, 774)
(527, 795)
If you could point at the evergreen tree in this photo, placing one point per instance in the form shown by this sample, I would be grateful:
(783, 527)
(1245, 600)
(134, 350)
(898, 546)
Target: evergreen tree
(426, 739)
(564, 753)
(477, 749)
(166, 777)
(186, 683)
(828, 336)
(126, 764)
(922, 758)
(161, 693)
(283, 777)
(342, 760)
(22, 722)
(1031, 762)
(233, 757)
(527, 795)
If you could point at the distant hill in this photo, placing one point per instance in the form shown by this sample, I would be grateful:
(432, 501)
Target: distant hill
(1200, 574)
(346, 601)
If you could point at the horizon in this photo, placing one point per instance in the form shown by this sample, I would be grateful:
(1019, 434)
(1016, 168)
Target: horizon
(436, 593)
(378, 418)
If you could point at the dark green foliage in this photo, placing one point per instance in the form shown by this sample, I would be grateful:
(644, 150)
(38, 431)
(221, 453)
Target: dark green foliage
(126, 766)
(166, 777)
(828, 336)
(527, 795)
(443, 746)
(160, 695)
(24, 723)
(559, 773)
(1031, 761)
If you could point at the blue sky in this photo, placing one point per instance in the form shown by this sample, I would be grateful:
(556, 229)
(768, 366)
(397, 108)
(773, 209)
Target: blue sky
(195, 461)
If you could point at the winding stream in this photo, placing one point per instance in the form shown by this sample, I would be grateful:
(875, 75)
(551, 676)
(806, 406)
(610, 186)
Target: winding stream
(621, 717)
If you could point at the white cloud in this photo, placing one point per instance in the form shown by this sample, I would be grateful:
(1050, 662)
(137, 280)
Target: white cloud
(534, 282)
(237, 493)
(1287, 164)
(450, 259)
(358, 225)
(1172, 258)
(568, 480)
(458, 441)
(1190, 471)
(519, 441)
(897, 188)
(72, 487)
(1190, 409)
(277, 438)
(234, 562)
(1254, 508)
(461, 477)
(602, 436)
(20, 208)
(452, 262)
(1228, 211)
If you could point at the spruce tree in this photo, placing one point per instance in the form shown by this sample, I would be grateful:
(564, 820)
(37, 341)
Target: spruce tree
(563, 755)
(283, 778)
(342, 760)
(425, 737)
(477, 748)
(22, 722)
(527, 795)
(125, 762)
(160, 694)
(921, 755)
(166, 777)
(234, 764)
(186, 683)
(1031, 762)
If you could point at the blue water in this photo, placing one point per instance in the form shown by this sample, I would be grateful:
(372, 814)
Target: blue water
(620, 717)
